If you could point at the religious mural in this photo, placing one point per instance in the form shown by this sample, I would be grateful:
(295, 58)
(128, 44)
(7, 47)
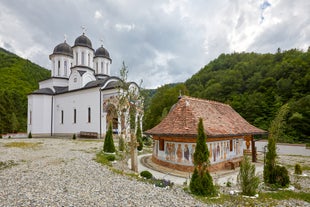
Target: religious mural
(183, 153)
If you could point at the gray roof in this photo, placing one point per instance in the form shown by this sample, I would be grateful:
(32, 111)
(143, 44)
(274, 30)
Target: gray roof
(91, 84)
(84, 41)
(63, 49)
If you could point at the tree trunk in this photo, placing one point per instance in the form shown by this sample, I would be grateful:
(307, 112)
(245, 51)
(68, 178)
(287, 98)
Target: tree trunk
(134, 153)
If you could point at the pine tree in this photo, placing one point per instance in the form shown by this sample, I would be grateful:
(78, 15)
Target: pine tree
(108, 145)
(201, 181)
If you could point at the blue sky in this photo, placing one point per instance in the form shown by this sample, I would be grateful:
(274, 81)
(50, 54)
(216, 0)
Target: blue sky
(161, 41)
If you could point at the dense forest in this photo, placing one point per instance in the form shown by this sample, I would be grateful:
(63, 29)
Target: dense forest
(18, 77)
(255, 85)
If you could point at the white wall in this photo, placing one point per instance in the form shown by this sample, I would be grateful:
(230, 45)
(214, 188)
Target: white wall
(80, 100)
(49, 83)
(39, 106)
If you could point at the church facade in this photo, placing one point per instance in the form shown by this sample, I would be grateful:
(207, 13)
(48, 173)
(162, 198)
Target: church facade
(80, 97)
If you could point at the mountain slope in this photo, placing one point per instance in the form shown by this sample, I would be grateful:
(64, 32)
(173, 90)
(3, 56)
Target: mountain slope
(18, 77)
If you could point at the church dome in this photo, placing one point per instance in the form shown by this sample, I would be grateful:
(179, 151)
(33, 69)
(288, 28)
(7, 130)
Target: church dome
(63, 49)
(102, 52)
(83, 41)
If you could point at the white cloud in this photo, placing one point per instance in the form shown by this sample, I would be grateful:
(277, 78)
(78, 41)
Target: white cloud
(125, 27)
(98, 15)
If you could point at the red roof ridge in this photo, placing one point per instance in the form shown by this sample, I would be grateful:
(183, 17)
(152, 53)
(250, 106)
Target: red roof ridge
(204, 100)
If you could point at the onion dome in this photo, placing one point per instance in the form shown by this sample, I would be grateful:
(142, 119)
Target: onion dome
(102, 52)
(83, 41)
(63, 49)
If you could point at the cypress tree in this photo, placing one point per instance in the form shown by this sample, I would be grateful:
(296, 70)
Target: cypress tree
(139, 137)
(108, 145)
(201, 181)
(275, 131)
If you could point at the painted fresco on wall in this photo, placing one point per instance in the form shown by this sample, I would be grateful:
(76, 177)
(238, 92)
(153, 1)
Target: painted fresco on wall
(186, 154)
(183, 153)
(170, 151)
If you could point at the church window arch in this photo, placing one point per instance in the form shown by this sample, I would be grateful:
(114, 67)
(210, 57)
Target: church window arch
(89, 114)
(83, 58)
(62, 117)
(74, 116)
(65, 67)
(58, 68)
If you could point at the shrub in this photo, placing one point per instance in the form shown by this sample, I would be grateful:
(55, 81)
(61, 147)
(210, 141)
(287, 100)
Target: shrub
(147, 141)
(110, 157)
(29, 135)
(298, 169)
(247, 179)
(146, 174)
(0, 136)
(74, 136)
(108, 145)
(228, 184)
(162, 183)
(281, 175)
(121, 144)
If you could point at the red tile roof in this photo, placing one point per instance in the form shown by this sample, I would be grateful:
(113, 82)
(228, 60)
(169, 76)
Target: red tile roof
(219, 120)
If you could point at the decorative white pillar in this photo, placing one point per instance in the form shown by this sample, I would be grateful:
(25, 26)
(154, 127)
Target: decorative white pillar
(104, 123)
(119, 123)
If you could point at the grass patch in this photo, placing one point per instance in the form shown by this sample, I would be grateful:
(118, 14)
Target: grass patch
(285, 195)
(102, 158)
(7, 164)
(23, 145)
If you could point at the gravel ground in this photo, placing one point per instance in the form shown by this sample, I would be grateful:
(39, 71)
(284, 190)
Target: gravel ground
(63, 173)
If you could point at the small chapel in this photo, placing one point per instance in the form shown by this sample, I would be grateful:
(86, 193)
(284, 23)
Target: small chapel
(81, 96)
(229, 136)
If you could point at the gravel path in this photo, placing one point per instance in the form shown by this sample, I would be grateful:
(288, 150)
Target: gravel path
(62, 173)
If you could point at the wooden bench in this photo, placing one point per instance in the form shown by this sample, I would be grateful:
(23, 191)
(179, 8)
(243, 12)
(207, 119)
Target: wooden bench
(88, 134)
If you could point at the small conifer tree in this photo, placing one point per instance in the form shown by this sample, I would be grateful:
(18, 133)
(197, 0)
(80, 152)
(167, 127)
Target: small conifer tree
(247, 179)
(73, 136)
(298, 170)
(29, 135)
(108, 145)
(201, 181)
(139, 137)
(275, 131)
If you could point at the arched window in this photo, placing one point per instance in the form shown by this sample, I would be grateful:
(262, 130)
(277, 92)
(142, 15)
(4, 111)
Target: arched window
(107, 68)
(83, 58)
(88, 60)
(74, 116)
(62, 117)
(76, 58)
(101, 67)
(58, 69)
(89, 115)
(96, 67)
(65, 67)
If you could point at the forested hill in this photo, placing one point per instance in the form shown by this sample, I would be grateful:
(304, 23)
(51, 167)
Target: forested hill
(18, 77)
(256, 86)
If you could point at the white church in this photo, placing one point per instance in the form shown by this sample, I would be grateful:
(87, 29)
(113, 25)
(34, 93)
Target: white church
(80, 97)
